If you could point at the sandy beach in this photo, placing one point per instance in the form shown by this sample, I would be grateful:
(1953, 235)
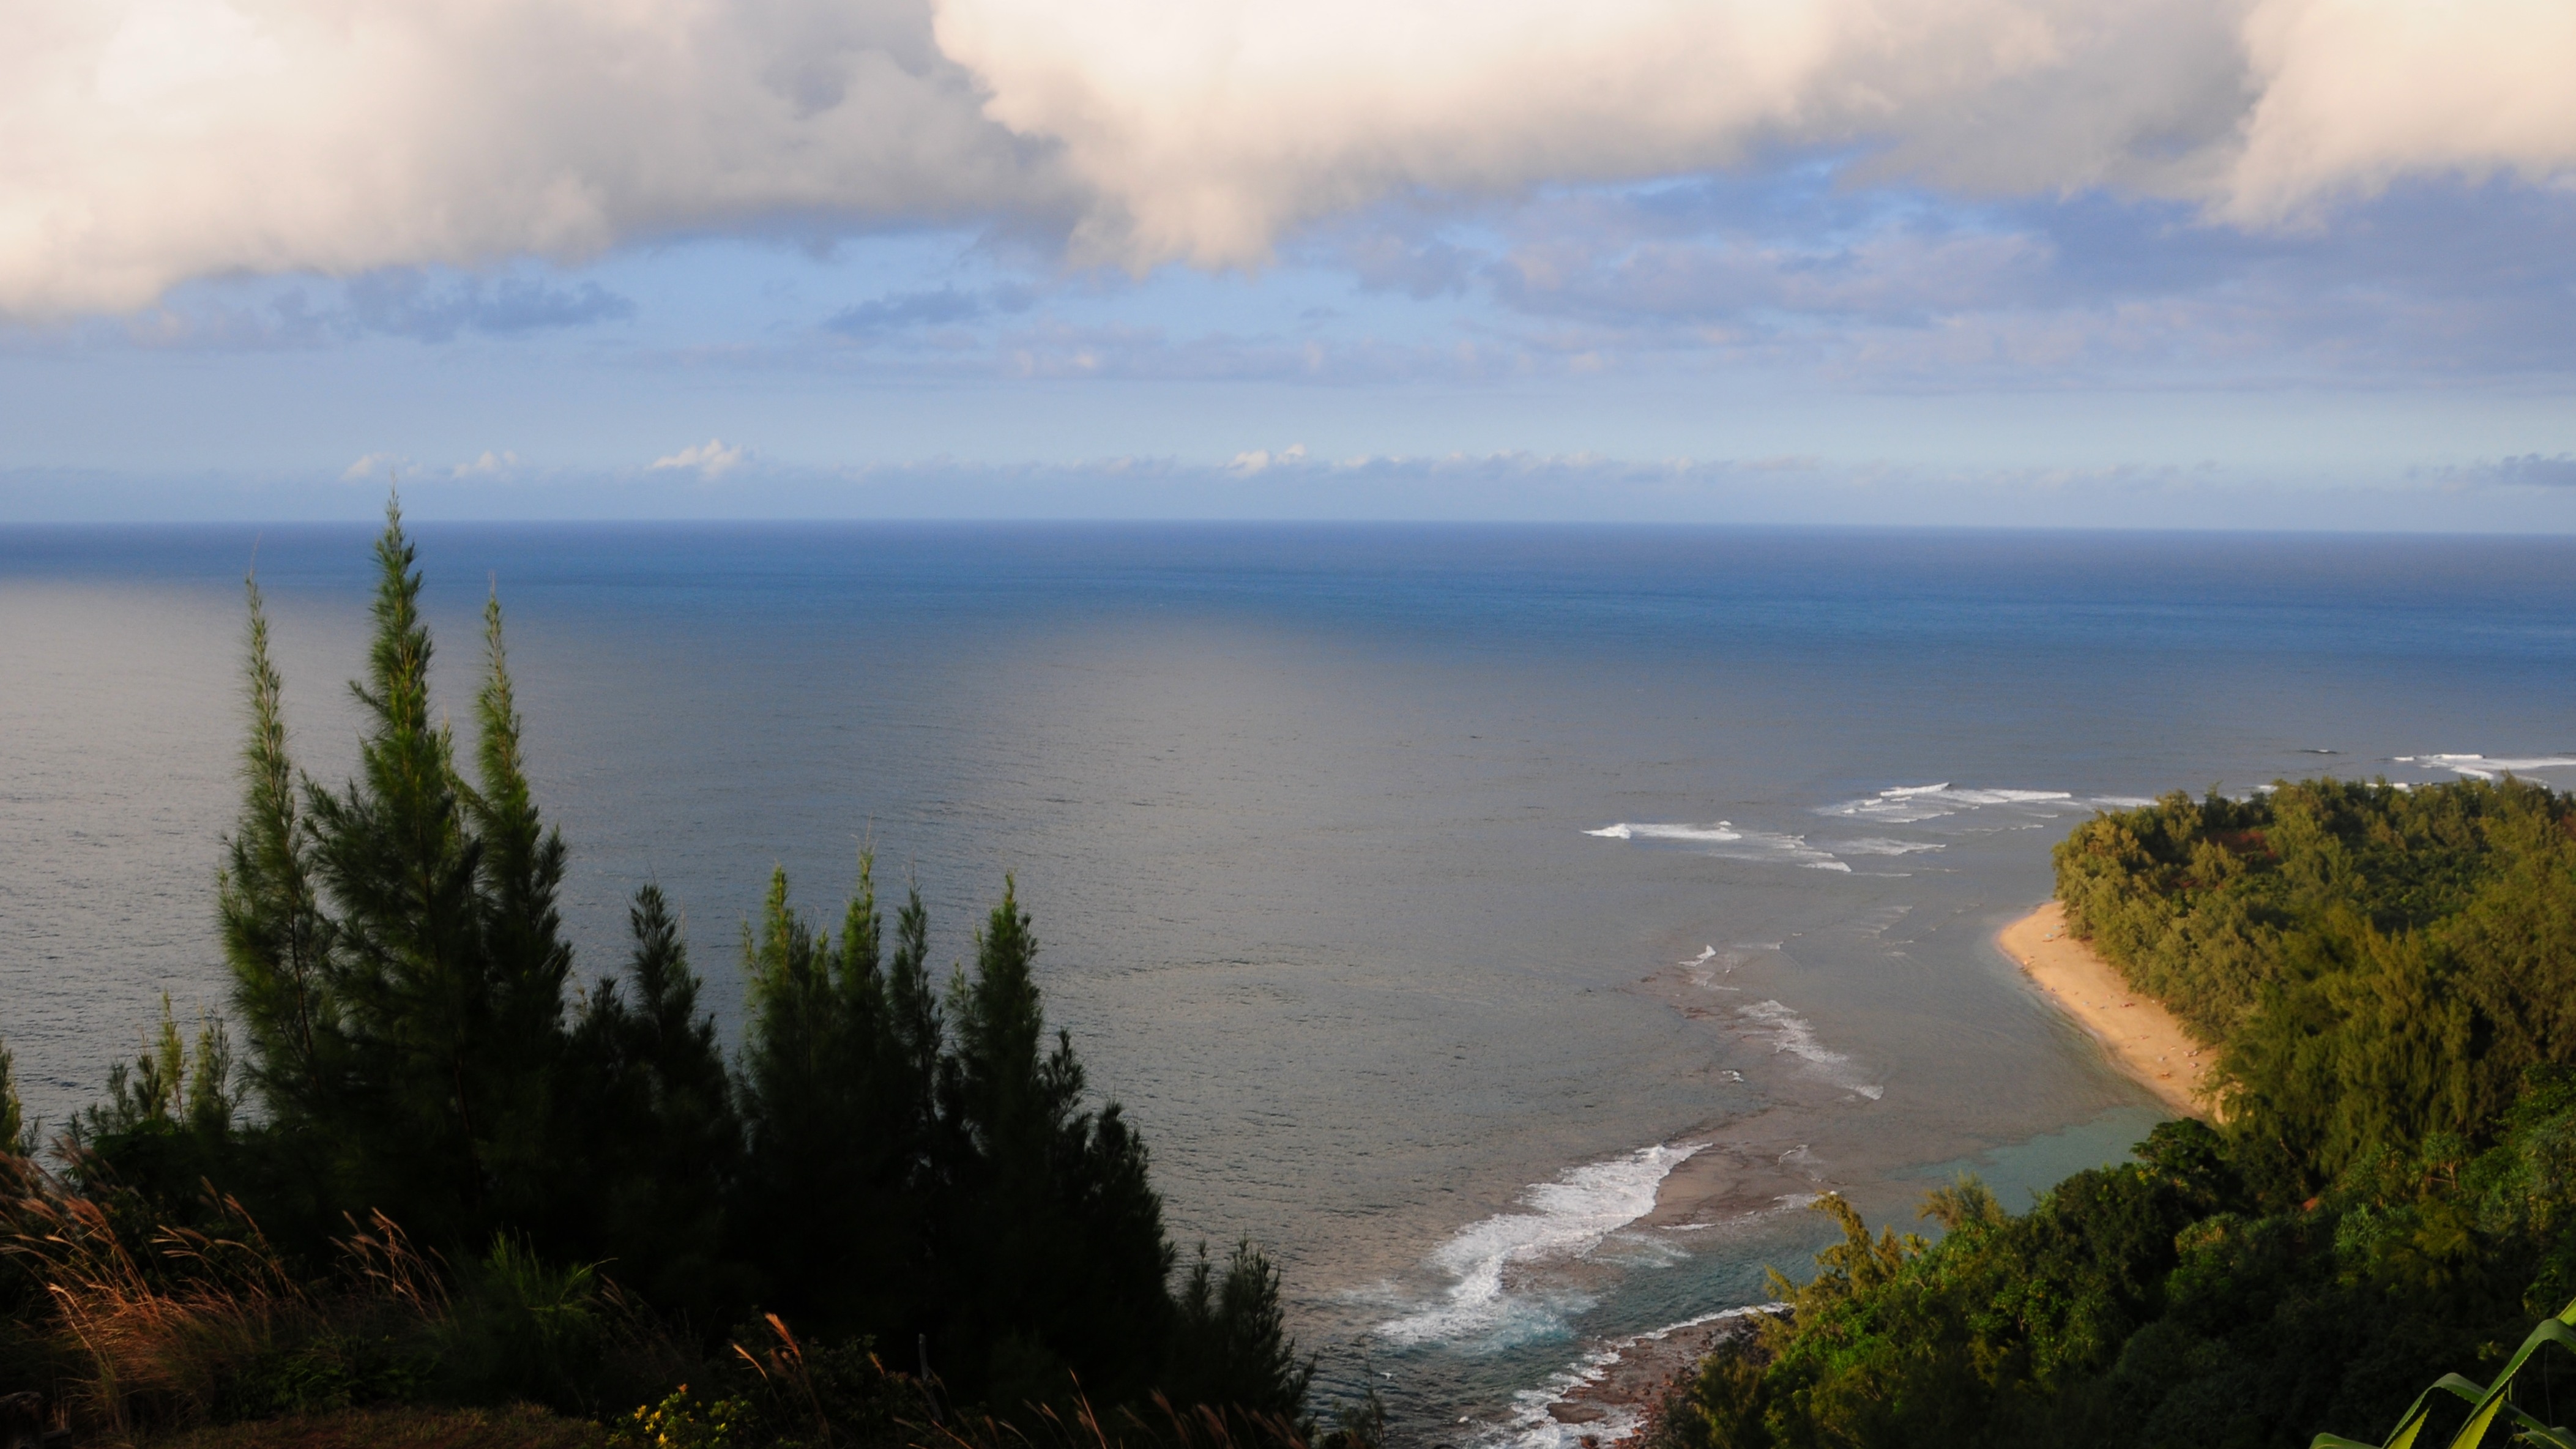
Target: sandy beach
(2142, 1038)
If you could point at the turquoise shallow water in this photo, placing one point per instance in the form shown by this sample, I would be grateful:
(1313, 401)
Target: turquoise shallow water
(1433, 897)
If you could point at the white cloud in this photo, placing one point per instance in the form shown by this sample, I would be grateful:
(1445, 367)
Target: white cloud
(372, 465)
(490, 465)
(143, 142)
(712, 459)
(2356, 93)
(1210, 127)
(1261, 460)
(149, 141)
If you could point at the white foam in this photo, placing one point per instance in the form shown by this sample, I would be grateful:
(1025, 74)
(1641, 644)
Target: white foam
(1721, 833)
(1705, 969)
(1790, 1033)
(1881, 845)
(1733, 842)
(2479, 767)
(1565, 1219)
(1910, 804)
(1532, 1426)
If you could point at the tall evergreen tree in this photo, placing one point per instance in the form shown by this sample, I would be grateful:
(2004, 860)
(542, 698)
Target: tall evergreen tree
(652, 1143)
(396, 855)
(1069, 1267)
(396, 948)
(276, 937)
(526, 963)
(1230, 1343)
(832, 1115)
(884, 1159)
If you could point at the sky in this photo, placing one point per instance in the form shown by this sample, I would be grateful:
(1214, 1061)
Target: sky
(2184, 263)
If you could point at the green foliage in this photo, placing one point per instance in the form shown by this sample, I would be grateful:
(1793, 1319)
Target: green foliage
(792, 1394)
(840, 1058)
(2385, 975)
(1231, 1344)
(2377, 966)
(1068, 1254)
(169, 1088)
(880, 1159)
(652, 1142)
(2489, 1405)
(682, 1420)
(528, 1330)
(276, 937)
(17, 1134)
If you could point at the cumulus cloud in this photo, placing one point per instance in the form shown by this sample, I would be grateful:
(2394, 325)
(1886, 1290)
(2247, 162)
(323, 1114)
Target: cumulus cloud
(490, 465)
(1208, 128)
(710, 460)
(143, 142)
(148, 141)
(2352, 94)
(1262, 460)
(373, 465)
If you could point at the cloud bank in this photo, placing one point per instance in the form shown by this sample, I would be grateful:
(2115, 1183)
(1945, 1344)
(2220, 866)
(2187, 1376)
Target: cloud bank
(1532, 487)
(146, 142)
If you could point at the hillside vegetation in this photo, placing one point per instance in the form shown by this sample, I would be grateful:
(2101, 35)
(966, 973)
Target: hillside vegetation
(2386, 976)
(422, 1160)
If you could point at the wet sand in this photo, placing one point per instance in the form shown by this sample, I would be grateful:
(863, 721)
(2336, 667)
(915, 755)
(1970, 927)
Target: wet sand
(2141, 1038)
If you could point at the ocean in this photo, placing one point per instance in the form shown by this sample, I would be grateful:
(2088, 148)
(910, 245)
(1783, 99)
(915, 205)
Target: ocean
(1511, 927)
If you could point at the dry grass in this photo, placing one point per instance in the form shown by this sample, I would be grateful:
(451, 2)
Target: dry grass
(521, 1427)
(167, 1319)
(1080, 1426)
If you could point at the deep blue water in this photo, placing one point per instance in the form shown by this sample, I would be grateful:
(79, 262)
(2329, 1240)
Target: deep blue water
(1321, 830)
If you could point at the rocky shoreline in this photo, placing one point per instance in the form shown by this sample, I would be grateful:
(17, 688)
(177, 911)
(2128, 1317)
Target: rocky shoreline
(1619, 1388)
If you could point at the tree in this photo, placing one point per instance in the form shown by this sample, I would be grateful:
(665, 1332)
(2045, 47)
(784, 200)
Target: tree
(276, 938)
(881, 1159)
(1230, 1340)
(652, 1140)
(1070, 1268)
(837, 1056)
(447, 972)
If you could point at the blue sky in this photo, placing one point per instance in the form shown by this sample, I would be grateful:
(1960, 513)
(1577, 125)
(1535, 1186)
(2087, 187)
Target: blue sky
(2203, 271)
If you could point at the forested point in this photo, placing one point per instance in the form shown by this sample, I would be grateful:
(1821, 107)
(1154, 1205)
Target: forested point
(2386, 976)
(422, 1161)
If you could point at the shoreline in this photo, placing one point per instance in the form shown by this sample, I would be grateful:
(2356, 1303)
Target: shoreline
(1608, 1397)
(2140, 1037)
(1612, 1395)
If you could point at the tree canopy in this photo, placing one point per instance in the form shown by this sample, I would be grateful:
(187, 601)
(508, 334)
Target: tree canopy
(883, 1158)
(2384, 974)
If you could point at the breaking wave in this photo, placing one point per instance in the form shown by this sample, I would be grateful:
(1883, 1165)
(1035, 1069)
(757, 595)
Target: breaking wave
(1914, 804)
(1730, 841)
(2479, 767)
(1560, 1221)
(1790, 1033)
